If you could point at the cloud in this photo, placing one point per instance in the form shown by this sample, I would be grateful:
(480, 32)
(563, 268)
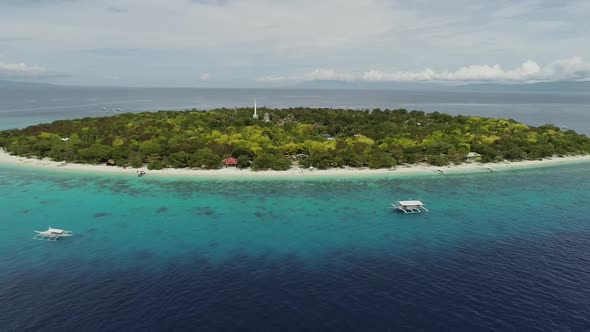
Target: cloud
(315, 75)
(117, 10)
(219, 3)
(115, 51)
(571, 69)
(9, 39)
(278, 26)
(239, 40)
(568, 69)
(527, 71)
(205, 77)
(21, 70)
(562, 70)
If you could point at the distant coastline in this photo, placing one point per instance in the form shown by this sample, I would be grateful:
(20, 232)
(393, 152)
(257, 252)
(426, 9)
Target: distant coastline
(235, 174)
(21, 84)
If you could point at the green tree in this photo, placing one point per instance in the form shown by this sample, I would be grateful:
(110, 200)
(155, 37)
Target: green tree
(155, 165)
(205, 158)
(438, 160)
(150, 147)
(243, 161)
(179, 159)
(270, 161)
(378, 158)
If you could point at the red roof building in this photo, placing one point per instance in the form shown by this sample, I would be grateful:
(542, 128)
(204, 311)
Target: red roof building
(231, 161)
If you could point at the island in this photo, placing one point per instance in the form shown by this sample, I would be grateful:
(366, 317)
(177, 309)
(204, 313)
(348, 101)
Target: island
(281, 139)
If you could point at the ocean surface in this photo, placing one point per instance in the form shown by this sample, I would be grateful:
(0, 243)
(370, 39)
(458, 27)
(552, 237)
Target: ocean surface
(21, 107)
(505, 251)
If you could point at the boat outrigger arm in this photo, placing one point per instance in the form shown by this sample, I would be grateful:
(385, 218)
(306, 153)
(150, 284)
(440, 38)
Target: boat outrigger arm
(52, 234)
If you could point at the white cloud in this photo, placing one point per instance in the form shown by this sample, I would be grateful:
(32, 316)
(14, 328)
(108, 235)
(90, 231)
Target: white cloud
(205, 77)
(117, 10)
(315, 75)
(327, 74)
(561, 70)
(285, 25)
(20, 70)
(241, 39)
(527, 71)
(568, 69)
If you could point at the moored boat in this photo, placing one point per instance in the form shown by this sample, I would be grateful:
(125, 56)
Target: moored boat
(52, 234)
(409, 206)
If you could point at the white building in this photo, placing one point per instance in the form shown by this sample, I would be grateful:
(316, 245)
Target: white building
(472, 156)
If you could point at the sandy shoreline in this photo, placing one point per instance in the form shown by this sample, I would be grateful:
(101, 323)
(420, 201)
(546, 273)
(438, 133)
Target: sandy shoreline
(233, 173)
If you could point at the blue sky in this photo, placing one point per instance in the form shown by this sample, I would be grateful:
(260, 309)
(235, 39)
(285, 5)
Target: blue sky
(272, 43)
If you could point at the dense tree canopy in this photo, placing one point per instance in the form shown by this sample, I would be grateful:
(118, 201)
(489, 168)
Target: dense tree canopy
(321, 138)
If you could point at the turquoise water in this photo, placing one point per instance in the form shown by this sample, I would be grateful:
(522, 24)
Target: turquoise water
(497, 251)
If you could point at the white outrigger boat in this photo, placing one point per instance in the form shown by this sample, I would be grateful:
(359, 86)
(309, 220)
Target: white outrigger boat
(409, 206)
(52, 234)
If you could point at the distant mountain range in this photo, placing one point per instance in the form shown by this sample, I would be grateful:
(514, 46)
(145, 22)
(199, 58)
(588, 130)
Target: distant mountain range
(569, 86)
(18, 84)
(564, 86)
(364, 85)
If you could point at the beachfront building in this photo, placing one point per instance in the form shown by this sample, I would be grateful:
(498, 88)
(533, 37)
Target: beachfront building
(231, 161)
(472, 156)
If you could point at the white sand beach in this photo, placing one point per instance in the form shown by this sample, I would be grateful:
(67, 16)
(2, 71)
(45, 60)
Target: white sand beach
(233, 173)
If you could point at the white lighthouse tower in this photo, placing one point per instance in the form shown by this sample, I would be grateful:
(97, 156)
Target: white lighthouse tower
(255, 116)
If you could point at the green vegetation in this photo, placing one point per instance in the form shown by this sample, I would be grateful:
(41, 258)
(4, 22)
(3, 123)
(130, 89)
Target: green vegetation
(321, 138)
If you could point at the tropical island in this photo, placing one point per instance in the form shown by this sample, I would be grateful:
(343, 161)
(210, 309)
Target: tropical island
(283, 138)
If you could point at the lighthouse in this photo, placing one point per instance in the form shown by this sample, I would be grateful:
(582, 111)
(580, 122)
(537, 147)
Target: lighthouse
(255, 116)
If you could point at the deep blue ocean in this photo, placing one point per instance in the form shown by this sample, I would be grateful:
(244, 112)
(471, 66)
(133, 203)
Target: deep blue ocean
(504, 251)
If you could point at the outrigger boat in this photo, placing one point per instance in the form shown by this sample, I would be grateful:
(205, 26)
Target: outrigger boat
(409, 206)
(52, 234)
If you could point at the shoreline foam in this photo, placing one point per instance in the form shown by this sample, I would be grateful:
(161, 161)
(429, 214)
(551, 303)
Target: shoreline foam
(233, 173)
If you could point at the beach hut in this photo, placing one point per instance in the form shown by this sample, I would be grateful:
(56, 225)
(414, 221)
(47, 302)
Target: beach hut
(231, 161)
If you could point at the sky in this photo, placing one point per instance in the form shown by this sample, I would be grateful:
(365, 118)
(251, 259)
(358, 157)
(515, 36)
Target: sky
(255, 43)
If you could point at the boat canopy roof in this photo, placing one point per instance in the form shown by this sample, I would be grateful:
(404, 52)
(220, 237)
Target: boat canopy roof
(55, 230)
(411, 203)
